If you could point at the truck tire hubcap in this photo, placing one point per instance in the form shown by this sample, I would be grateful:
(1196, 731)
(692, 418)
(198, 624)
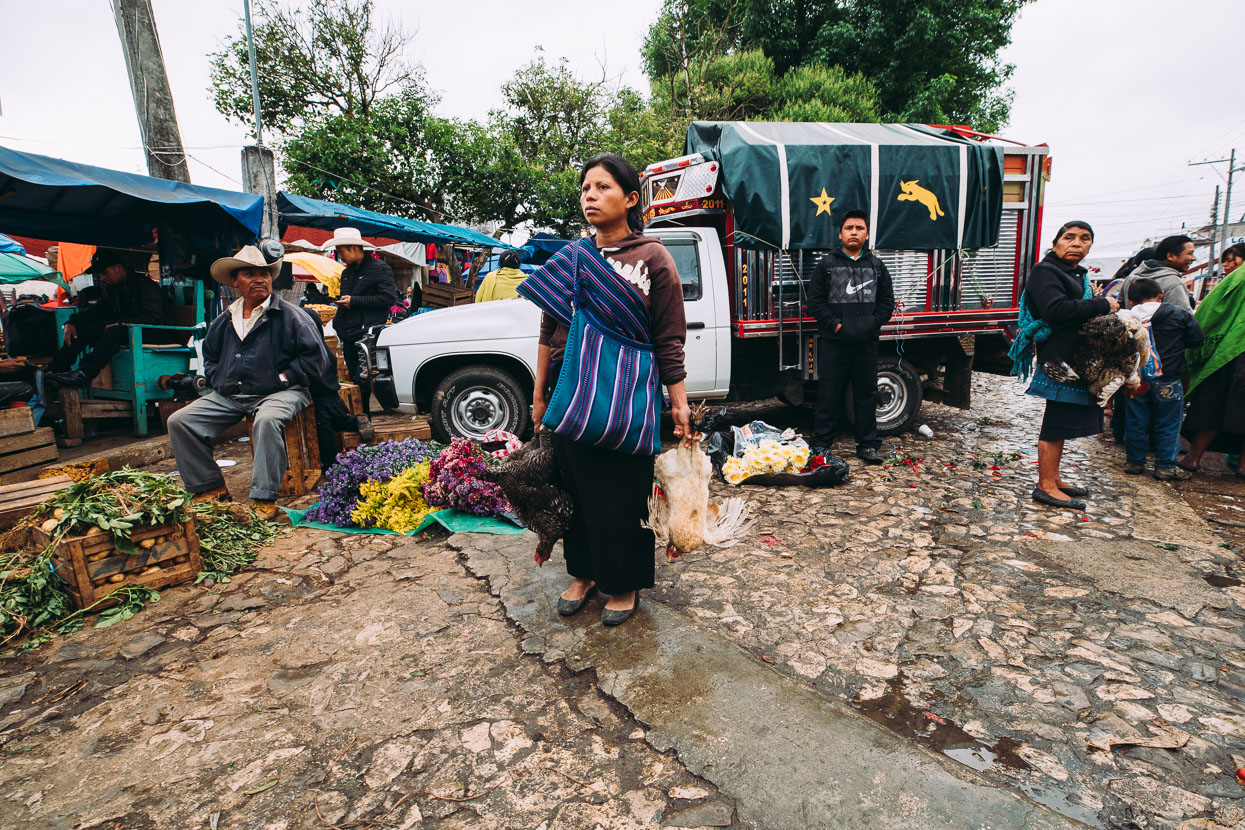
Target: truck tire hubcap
(479, 409)
(892, 397)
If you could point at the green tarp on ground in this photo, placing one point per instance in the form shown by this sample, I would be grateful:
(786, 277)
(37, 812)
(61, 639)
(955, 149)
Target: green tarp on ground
(452, 520)
(789, 183)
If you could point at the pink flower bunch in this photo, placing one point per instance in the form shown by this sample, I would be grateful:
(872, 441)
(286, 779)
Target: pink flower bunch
(452, 481)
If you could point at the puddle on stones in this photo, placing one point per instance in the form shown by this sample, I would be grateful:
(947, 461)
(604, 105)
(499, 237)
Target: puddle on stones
(896, 713)
(1223, 580)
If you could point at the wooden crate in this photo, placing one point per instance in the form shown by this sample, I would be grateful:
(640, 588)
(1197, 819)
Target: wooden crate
(23, 457)
(399, 431)
(302, 449)
(88, 563)
(17, 420)
(352, 397)
(17, 500)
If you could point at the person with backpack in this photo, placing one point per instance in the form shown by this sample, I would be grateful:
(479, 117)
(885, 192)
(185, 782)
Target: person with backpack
(1157, 406)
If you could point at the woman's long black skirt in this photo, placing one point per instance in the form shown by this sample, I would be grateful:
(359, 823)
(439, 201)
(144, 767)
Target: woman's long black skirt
(1062, 421)
(606, 543)
(1218, 405)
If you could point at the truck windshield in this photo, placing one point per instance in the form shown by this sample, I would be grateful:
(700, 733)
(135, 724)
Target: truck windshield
(687, 260)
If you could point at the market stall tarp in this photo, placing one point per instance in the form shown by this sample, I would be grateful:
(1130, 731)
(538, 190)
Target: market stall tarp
(790, 183)
(317, 213)
(10, 246)
(51, 198)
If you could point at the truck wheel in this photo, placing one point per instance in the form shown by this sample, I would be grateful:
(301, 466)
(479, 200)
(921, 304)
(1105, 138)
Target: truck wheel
(899, 395)
(475, 399)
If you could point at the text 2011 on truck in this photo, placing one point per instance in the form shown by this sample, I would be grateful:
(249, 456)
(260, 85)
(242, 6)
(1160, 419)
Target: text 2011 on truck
(746, 214)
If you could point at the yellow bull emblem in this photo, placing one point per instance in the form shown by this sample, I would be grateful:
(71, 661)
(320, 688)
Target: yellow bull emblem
(913, 192)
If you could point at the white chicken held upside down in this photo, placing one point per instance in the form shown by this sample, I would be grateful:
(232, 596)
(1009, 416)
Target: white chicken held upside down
(679, 511)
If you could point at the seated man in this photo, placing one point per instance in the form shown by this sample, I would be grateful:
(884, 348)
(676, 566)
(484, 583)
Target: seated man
(258, 357)
(127, 297)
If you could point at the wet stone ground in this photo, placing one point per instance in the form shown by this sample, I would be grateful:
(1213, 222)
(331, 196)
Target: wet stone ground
(340, 682)
(945, 604)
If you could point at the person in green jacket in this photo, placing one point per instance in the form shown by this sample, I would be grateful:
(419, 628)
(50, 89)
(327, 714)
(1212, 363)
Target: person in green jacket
(503, 283)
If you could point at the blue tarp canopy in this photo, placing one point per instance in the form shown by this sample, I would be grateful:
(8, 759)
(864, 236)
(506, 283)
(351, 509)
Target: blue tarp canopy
(51, 198)
(10, 246)
(317, 213)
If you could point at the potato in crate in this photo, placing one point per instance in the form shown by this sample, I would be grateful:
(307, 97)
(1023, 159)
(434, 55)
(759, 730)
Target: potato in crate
(92, 563)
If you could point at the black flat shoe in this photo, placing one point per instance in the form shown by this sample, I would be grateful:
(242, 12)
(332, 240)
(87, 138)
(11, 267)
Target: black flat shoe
(1075, 492)
(1043, 497)
(609, 617)
(869, 455)
(570, 607)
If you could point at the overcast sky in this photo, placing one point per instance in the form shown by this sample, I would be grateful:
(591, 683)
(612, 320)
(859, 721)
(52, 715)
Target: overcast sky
(1125, 92)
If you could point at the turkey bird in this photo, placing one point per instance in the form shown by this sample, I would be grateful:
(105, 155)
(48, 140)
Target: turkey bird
(1114, 348)
(530, 481)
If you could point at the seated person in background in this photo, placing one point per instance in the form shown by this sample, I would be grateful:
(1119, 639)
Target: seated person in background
(332, 416)
(16, 381)
(127, 297)
(259, 357)
(502, 283)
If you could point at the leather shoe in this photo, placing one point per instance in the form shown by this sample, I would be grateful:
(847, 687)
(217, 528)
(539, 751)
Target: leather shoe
(75, 378)
(1042, 497)
(366, 431)
(1132, 468)
(869, 455)
(570, 607)
(609, 617)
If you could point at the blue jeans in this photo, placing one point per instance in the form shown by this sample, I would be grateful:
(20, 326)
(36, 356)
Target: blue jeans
(1160, 410)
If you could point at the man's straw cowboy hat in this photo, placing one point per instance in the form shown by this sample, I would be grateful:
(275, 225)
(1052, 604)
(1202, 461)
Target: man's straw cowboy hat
(249, 257)
(348, 236)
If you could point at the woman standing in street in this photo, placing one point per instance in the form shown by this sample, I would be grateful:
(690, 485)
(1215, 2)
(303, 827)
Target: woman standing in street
(621, 287)
(1057, 300)
(1216, 417)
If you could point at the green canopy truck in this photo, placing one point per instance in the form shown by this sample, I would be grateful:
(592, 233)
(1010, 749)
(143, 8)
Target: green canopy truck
(746, 213)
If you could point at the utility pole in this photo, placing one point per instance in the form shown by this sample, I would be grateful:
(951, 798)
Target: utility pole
(1211, 262)
(1227, 197)
(149, 84)
(259, 166)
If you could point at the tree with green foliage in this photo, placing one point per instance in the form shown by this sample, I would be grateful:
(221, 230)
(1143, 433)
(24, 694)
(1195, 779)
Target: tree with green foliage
(929, 60)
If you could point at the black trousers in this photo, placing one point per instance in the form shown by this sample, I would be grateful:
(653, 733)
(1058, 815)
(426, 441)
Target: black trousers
(332, 417)
(360, 373)
(104, 343)
(837, 365)
(610, 491)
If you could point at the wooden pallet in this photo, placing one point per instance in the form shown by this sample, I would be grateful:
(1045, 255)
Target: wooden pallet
(23, 457)
(302, 450)
(18, 500)
(443, 295)
(91, 564)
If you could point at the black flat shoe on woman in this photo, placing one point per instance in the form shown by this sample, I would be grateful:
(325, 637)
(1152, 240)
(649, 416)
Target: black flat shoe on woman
(570, 607)
(1075, 492)
(1043, 497)
(609, 617)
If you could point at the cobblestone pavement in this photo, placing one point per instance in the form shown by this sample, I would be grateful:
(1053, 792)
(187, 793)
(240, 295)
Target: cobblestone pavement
(938, 598)
(342, 673)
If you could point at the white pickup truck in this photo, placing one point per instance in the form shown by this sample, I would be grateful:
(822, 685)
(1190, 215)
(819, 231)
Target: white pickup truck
(471, 367)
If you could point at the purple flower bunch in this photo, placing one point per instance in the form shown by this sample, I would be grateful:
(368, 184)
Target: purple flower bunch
(452, 481)
(339, 489)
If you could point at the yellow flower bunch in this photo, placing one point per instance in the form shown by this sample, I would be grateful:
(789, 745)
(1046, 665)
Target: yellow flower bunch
(768, 456)
(397, 504)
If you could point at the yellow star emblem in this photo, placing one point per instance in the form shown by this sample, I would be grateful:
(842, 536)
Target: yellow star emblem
(823, 202)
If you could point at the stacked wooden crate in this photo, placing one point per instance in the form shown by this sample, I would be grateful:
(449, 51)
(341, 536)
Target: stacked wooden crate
(24, 450)
(91, 564)
(18, 500)
(444, 295)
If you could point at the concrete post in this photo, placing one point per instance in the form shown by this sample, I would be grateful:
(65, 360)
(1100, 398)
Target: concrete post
(259, 175)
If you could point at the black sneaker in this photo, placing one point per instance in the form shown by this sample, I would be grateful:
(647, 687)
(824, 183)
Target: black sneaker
(1134, 468)
(76, 378)
(869, 455)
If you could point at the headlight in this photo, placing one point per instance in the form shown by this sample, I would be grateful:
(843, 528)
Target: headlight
(382, 360)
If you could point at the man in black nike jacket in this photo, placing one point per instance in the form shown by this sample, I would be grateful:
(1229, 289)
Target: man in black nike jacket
(851, 298)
